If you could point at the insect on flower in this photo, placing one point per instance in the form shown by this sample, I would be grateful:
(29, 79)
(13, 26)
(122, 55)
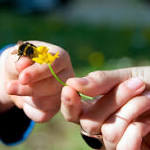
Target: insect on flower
(26, 49)
(41, 55)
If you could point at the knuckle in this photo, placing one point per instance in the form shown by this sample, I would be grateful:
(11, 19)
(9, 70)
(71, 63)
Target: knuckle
(70, 117)
(110, 134)
(67, 114)
(65, 53)
(97, 74)
(21, 91)
(136, 72)
(99, 78)
(25, 91)
(65, 56)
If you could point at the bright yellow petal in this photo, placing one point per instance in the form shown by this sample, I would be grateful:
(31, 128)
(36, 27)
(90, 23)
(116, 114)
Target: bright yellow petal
(56, 55)
(42, 56)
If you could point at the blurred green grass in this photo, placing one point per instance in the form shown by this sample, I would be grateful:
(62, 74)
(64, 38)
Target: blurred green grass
(91, 47)
(80, 40)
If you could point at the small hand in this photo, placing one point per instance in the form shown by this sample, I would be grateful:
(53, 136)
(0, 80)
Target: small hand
(32, 87)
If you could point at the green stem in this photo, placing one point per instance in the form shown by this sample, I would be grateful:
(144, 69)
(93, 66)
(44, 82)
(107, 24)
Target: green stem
(84, 97)
(56, 77)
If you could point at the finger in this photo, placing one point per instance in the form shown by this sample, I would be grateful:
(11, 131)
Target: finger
(45, 107)
(13, 65)
(17, 89)
(95, 116)
(36, 114)
(46, 87)
(34, 73)
(43, 88)
(37, 72)
(113, 129)
(44, 103)
(71, 106)
(9, 61)
(132, 138)
(23, 63)
(17, 100)
(99, 82)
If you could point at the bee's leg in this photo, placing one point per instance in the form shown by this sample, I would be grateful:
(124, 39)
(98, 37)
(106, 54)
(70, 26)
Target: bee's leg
(19, 57)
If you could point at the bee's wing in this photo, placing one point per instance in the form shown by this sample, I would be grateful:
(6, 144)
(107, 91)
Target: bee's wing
(14, 52)
(19, 42)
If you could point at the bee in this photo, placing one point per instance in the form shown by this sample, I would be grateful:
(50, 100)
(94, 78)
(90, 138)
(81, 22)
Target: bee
(25, 49)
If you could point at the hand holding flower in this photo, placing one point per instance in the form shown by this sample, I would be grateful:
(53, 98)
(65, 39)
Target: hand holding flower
(33, 87)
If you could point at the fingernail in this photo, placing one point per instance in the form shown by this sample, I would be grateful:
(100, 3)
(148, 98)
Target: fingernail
(134, 83)
(82, 81)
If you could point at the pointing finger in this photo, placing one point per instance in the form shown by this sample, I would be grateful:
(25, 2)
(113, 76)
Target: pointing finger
(99, 82)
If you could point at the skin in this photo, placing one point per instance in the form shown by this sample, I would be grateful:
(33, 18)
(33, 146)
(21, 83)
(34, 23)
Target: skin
(122, 115)
(30, 86)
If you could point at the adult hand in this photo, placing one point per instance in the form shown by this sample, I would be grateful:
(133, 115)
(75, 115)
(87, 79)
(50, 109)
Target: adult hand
(121, 115)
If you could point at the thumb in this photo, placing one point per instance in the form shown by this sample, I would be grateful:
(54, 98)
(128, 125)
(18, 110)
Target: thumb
(99, 82)
(8, 63)
(13, 66)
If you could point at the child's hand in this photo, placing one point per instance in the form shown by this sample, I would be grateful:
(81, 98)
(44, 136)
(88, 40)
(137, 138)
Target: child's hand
(31, 86)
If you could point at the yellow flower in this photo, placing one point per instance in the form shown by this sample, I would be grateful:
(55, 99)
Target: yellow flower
(42, 56)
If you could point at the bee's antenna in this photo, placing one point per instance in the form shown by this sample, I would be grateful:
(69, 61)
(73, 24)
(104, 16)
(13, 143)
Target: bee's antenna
(19, 42)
